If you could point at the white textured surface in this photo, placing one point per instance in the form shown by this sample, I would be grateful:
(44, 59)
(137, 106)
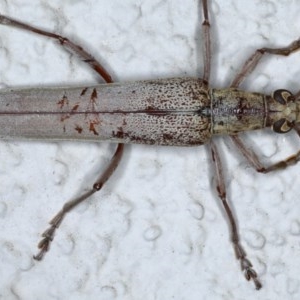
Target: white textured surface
(156, 230)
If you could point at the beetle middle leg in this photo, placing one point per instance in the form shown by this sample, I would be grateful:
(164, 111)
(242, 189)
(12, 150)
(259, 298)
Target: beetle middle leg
(48, 235)
(250, 155)
(207, 43)
(246, 265)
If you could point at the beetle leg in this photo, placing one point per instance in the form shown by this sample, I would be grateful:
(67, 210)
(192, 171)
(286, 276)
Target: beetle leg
(48, 235)
(252, 158)
(66, 43)
(207, 42)
(246, 265)
(254, 59)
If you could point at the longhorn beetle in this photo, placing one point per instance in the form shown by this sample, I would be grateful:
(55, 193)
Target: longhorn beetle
(171, 112)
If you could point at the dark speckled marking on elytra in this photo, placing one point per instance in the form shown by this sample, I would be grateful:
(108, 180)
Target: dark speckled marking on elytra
(75, 108)
(167, 137)
(83, 91)
(78, 128)
(94, 95)
(64, 117)
(91, 116)
(92, 127)
(62, 102)
(119, 134)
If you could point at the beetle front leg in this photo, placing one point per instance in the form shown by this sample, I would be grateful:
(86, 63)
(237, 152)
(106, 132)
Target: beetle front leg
(252, 62)
(254, 161)
(248, 67)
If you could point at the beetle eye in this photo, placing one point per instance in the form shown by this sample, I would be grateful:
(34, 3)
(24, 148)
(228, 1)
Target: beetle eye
(282, 126)
(283, 96)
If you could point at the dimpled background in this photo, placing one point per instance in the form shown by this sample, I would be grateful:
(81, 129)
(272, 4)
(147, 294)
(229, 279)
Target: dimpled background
(156, 230)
